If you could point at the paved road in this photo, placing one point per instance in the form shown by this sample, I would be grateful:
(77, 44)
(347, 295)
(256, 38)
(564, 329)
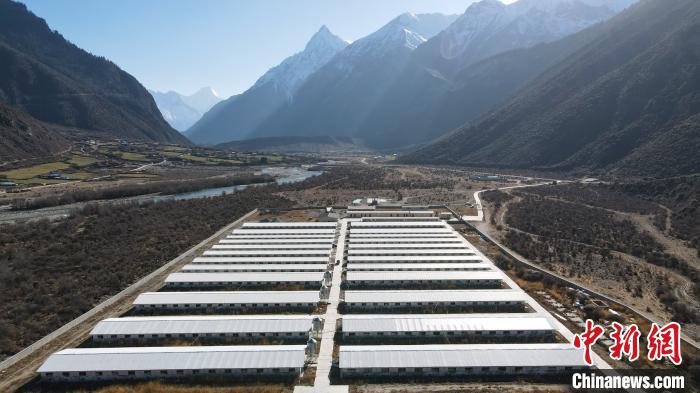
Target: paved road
(479, 226)
(480, 209)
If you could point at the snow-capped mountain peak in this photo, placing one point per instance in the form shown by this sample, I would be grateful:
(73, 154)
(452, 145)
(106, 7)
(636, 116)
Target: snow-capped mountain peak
(202, 99)
(181, 111)
(407, 30)
(489, 26)
(293, 71)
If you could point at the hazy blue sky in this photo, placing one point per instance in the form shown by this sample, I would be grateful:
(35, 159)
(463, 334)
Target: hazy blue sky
(183, 45)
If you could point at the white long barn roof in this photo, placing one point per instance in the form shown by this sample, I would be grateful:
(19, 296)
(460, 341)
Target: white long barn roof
(413, 258)
(319, 231)
(282, 225)
(398, 224)
(249, 260)
(418, 266)
(321, 237)
(243, 277)
(431, 275)
(309, 246)
(227, 297)
(175, 358)
(464, 251)
(388, 232)
(437, 296)
(392, 212)
(373, 240)
(408, 246)
(326, 242)
(461, 355)
(200, 267)
(204, 324)
(395, 235)
(262, 253)
(445, 322)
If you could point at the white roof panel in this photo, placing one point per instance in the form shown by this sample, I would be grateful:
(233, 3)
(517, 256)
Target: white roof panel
(242, 277)
(321, 237)
(310, 246)
(461, 355)
(444, 322)
(409, 246)
(262, 253)
(436, 252)
(432, 275)
(326, 242)
(388, 232)
(394, 235)
(398, 224)
(418, 266)
(437, 296)
(393, 212)
(414, 258)
(249, 260)
(227, 297)
(362, 240)
(283, 231)
(204, 324)
(299, 224)
(200, 267)
(175, 358)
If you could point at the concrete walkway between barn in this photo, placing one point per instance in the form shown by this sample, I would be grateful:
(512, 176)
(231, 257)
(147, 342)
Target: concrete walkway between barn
(322, 383)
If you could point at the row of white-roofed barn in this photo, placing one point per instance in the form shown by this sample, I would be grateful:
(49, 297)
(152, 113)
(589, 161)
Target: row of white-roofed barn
(271, 257)
(410, 285)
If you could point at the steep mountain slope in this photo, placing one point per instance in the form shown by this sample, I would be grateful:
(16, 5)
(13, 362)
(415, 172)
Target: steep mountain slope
(236, 117)
(181, 111)
(336, 99)
(55, 81)
(461, 73)
(294, 144)
(22, 136)
(627, 102)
